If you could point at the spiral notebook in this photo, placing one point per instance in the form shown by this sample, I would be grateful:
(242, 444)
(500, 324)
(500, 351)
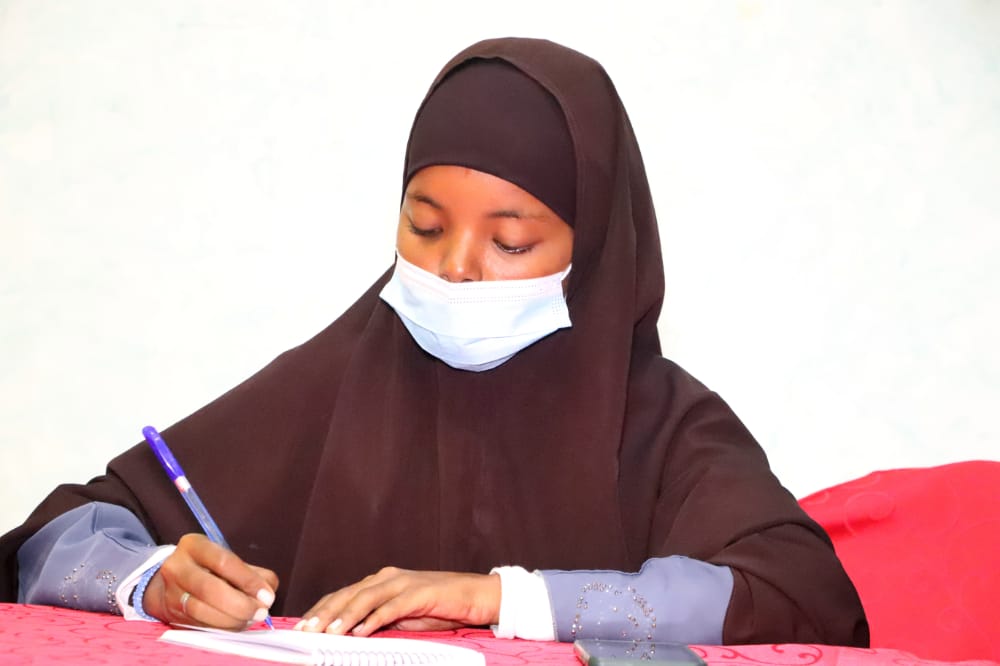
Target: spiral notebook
(299, 647)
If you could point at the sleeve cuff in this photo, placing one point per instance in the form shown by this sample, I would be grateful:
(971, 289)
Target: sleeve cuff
(525, 610)
(124, 591)
(675, 599)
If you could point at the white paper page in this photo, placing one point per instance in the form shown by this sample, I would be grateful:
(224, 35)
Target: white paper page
(298, 647)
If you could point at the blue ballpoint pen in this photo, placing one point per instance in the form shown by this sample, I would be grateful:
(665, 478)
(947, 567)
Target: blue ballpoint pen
(179, 480)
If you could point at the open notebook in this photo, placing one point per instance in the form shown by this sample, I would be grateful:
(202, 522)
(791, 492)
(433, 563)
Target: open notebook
(298, 647)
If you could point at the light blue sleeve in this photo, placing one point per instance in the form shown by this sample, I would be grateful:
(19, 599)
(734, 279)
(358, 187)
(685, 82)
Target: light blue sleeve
(676, 599)
(77, 560)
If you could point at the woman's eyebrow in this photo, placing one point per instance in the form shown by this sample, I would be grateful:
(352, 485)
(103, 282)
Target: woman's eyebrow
(513, 213)
(423, 198)
(501, 213)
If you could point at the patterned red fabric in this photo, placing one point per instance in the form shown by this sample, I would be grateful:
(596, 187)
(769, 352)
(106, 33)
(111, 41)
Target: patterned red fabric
(923, 548)
(45, 635)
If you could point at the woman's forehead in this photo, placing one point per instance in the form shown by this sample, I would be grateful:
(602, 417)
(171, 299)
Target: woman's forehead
(443, 186)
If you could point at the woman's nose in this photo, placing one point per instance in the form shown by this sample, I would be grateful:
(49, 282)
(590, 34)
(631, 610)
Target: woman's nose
(460, 263)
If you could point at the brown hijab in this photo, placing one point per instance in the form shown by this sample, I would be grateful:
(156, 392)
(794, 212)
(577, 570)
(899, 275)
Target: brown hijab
(589, 450)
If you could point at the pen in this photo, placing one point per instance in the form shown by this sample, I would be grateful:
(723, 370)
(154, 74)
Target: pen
(177, 477)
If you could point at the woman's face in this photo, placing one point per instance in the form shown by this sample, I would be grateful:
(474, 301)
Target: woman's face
(465, 225)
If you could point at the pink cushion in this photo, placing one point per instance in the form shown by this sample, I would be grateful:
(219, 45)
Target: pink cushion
(923, 548)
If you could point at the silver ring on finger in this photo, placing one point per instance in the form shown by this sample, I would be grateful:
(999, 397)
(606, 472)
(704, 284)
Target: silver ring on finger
(184, 602)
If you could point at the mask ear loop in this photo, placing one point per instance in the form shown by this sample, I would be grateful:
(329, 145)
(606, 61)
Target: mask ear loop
(564, 280)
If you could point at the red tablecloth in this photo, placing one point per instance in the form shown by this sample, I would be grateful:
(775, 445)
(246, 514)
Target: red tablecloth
(44, 635)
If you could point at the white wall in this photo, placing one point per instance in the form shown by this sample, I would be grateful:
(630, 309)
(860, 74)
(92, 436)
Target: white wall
(188, 188)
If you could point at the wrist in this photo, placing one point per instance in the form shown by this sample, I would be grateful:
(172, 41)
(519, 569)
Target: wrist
(494, 592)
(140, 600)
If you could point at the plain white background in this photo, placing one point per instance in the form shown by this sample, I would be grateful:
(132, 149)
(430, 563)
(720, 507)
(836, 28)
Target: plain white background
(188, 188)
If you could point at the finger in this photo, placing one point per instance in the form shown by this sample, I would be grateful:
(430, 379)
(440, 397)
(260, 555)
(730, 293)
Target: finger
(269, 576)
(169, 602)
(328, 614)
(197, 612)
(377, 605)
(226, 565)
(431, 596)
(326, 610)
(375, 608)
(424, 624)
(222, 598)
(193, 568)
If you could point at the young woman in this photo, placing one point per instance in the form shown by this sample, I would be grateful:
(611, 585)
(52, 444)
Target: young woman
(497, 398)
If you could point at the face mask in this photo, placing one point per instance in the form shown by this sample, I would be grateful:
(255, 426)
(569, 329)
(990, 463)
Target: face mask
(475, 325)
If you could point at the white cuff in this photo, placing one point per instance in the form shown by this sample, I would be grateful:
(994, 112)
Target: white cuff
(126, 587)
(525, 610)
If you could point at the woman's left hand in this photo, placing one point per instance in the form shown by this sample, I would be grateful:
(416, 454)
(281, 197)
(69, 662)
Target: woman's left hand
(407, 600)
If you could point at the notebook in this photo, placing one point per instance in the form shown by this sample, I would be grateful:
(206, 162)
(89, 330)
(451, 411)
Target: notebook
(299, 647)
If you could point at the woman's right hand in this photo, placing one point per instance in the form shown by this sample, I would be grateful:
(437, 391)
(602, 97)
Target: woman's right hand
(222, 590)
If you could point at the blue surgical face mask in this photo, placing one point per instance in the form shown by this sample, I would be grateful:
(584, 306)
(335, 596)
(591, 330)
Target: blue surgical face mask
(475, 325)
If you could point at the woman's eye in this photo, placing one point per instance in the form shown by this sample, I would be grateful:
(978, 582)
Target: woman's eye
(426, 233)
(512, 250)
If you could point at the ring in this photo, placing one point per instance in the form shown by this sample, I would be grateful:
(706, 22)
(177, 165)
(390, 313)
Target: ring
(184, 602)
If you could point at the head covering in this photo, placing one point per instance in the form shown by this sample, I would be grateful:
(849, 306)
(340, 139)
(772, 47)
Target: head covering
(587, 450)
(488, 116)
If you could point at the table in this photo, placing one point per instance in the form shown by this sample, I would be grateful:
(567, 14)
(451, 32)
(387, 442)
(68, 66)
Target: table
(46, 635)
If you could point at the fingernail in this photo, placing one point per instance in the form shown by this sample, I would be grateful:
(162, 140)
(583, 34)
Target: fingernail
(265, 596)
(358, 628)
(260, 615)
(299, 625)
(313, 621)
(333, 626)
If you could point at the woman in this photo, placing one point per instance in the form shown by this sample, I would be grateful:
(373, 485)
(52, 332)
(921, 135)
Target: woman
(498, 398)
